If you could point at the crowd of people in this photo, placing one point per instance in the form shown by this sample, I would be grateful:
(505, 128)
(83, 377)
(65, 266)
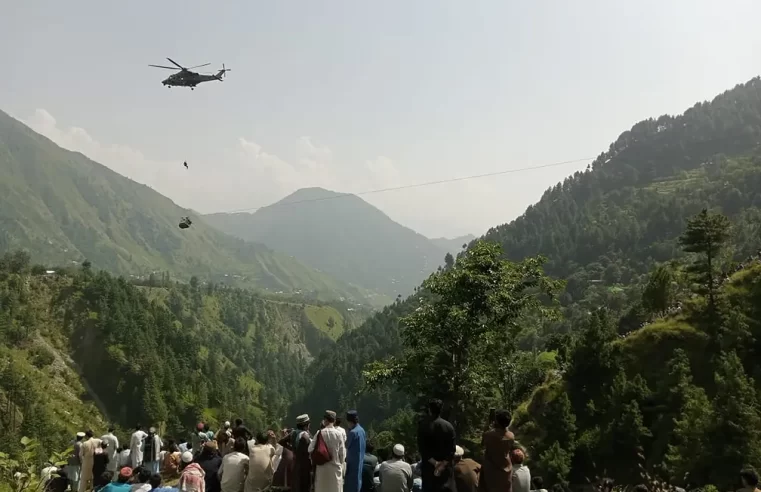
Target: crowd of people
(332, 459)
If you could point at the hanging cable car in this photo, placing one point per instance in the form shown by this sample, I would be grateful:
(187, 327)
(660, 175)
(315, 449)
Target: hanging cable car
(185, 223)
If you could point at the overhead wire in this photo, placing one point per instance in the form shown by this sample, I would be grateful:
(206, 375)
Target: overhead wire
(414, 185)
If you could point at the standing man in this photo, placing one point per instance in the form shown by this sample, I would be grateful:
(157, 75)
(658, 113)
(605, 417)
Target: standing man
(112, 450)
(151, 450)
(328, 476)
(355, 453)
(135, 446)
(436, 442)
(301, 440)
(74, 465)
(87, 457)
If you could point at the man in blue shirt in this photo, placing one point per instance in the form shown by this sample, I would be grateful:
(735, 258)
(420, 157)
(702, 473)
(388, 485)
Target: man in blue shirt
(355, 453)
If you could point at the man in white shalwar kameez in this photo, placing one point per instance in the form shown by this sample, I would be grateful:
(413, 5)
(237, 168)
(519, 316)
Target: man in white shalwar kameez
(112, 450)
(136, 447)
(329, 477)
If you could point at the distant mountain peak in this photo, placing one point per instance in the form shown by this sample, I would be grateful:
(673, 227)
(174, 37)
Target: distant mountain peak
(313, 193)
(342, 235)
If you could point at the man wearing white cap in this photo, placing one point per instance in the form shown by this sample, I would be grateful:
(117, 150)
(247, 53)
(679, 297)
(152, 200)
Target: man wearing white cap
(395, 474)
(465, 472)
(74, 464)
(302, 465)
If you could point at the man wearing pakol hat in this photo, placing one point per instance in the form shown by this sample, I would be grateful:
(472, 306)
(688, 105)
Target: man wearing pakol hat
(355, 453)
(300, 439)
(395, 474)
(328, 477)
(465, 472)
(74, 464)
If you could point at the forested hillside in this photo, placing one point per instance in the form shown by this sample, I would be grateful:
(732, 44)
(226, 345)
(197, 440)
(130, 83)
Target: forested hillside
(605, 228)
(343, 236)
(63, 208)
(81, 347)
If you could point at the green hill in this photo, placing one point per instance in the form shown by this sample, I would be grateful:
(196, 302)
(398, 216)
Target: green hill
(341, 235)
(602, 230)
(64, 208)
(79, 349)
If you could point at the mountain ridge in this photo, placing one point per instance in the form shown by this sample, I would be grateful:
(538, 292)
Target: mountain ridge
(341, 234)
(64, 207)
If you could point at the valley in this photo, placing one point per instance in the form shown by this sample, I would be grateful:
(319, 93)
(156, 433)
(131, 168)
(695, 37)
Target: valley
(617, 318)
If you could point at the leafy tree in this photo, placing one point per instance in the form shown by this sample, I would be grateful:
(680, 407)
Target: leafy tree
(706, 234)
(453, 339)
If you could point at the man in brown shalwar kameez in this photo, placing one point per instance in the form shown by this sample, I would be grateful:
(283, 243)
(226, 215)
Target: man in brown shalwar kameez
(496, 469)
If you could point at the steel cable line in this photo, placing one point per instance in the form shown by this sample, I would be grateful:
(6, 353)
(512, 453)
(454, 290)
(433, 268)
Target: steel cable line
(414, 185)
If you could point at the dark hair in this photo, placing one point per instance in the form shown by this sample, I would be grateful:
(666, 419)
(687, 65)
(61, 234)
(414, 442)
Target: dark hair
(107, 476)
(302, 425)
(89, 433)
(239, 445)
(155, 481)
(369, 448)
(206, 427)
(330, 418)
(104, 444)
(339, 421)
(640, 488)
(558, 488)
(750, 476)
(138, 427)
(537, 482)
(111, 428)
(502, 419)
(144, 475)
(262, 437)
(434, 406)
(238, 422)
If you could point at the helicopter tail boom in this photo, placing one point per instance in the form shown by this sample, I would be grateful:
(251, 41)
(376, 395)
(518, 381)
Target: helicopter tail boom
(221, 74)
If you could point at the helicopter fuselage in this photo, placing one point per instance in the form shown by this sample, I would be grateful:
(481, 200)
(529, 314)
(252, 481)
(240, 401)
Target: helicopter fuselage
(188, 79)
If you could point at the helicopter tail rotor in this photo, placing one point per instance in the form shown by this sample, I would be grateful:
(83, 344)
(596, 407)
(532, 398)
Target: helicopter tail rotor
(221, 73)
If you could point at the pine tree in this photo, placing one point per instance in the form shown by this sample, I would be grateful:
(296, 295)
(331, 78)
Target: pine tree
(706, 235)
(735, 433)
(658, 295)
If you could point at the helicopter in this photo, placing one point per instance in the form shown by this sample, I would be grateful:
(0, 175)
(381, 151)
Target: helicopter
(187, 78)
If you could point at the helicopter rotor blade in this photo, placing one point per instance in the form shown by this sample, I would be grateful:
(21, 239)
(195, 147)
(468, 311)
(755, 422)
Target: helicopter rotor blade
(161, 66)
(199, 66)
(177, 64)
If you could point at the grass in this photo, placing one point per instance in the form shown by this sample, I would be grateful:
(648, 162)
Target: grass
(321, 317)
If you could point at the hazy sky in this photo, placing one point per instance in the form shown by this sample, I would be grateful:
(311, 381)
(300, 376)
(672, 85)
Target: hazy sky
(355, 95)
